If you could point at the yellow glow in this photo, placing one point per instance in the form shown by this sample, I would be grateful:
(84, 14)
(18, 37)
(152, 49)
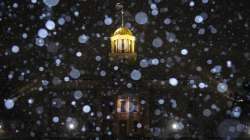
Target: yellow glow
(123, 43)
(125, 103)
(122, 104)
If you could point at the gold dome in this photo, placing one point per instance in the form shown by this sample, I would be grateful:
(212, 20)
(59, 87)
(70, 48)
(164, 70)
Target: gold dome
(122, 31)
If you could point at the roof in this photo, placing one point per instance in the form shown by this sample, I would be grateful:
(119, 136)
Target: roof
(122, 31)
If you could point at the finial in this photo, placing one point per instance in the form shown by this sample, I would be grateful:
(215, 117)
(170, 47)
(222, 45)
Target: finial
(119, 6)
(122, 17)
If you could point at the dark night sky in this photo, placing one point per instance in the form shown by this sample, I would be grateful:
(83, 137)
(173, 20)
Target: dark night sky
(203, 47)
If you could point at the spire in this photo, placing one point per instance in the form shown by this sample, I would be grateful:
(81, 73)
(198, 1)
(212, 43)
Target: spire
(119, 6)
(122, 17)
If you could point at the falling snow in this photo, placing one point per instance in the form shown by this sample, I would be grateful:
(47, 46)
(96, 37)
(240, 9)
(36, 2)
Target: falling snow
(50, 25)
(9, 103)
(135, 75)
(173, 81)
(189, 79)
(51, 3)
(141, 18)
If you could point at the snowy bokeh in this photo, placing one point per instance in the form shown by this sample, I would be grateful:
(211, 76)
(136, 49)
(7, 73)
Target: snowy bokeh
(43, 33)
(141, 18)
(173, 81)
(86, 109)
(9, 103)
(135, 75)
(50, 25)
(51, 3)
(188, 79)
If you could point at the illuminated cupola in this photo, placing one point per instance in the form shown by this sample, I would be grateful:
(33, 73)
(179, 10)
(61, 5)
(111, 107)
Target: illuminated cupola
(122, 44)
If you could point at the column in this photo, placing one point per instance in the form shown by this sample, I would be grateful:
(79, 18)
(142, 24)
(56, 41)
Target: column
(116, 47)
(129, 49)
(113, 46)
(123, 46)
(133, 46)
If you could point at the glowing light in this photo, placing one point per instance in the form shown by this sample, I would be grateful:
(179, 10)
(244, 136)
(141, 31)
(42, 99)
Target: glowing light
(192, 4)
(42, 33)
(116, 68)
(157, 42)
(103, 73)
(78, 94)
(222, 87)
(173, 103)
(161, 101)
(153, 6)
(175, 126)
(108, 20)
(83, 39)
(171, 37)
(135, 75)
(205, 1)
(51, 3)
(30, 101)
(71, 126)
(216, 69)
(173, 81)
(202, 85)
(155, 61)
(34, 1)
(55, 119)
(66, 79)
(141, 18)
(198, 19)
(144, 63)
(15, 49)
(25, 35)
(155, 12)
(71, 123)
(98, 58)
(122, 41)
(236, 112)
(139, 125)
(229, 64)
(167, 21)
(9, 103)
(58, 62)
(207, 112)
(83, 129)
(86, 109)
(50, 25)
(184, 51)
(75, 73)
(61, 21)
(40, 42)
(79, 54)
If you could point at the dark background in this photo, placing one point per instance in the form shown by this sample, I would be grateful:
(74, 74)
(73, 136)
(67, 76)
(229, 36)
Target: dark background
(231, 42)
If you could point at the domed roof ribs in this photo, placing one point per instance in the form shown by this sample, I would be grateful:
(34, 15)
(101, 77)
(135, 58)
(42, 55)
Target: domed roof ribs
(122, 31)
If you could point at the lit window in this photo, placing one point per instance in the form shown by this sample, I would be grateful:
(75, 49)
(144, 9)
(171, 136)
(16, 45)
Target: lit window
(127, 104)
